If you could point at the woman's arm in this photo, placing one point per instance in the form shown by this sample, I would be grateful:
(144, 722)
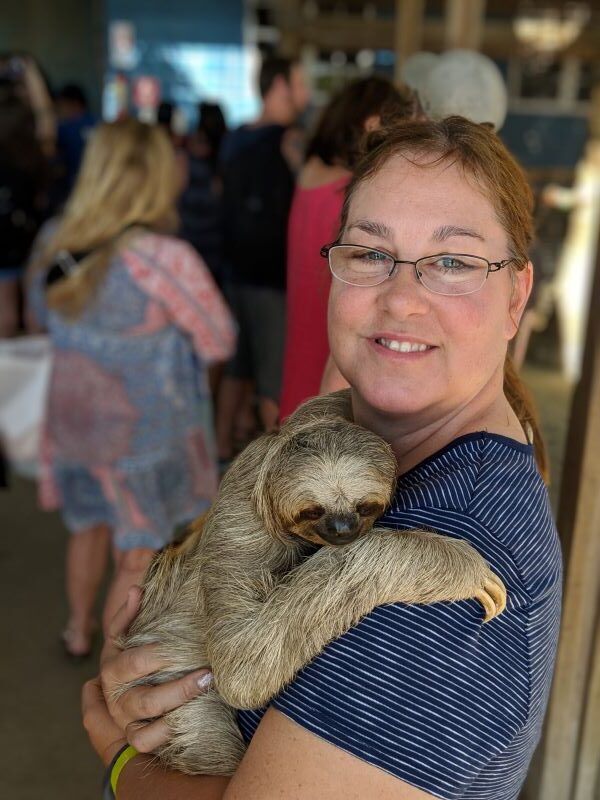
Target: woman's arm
(142, 778)
(112, 723)
(286, 760)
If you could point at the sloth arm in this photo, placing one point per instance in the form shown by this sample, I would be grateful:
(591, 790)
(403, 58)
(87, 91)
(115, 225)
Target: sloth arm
(258, 647)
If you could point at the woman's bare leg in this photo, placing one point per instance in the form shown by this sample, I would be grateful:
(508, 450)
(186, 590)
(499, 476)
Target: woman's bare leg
(130, 568)
(268, 411)
(87, 556)
(231, 396)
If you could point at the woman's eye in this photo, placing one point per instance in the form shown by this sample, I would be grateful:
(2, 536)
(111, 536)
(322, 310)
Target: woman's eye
(449, 262)
(372, 256)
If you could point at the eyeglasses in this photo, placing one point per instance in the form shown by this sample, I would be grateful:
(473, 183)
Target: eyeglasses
(444, 273)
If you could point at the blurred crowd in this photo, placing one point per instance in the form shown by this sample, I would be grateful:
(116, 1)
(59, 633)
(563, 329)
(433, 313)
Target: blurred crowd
(181, 285)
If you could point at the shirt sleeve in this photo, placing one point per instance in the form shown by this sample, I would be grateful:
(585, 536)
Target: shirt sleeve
(426, 693)
(174, 275)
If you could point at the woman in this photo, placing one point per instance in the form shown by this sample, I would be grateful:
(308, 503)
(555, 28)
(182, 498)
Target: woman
(415, 702)
(134, 318)
(332, 152)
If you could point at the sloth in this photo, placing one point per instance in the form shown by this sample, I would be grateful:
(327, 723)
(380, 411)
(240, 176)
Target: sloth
(287, 559)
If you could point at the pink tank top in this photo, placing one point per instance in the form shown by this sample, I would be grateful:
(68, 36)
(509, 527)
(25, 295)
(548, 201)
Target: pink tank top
(314, 221)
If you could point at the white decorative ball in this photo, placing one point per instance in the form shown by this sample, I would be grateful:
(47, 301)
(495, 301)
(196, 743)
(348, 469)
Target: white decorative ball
(415, 70)
(466, 83)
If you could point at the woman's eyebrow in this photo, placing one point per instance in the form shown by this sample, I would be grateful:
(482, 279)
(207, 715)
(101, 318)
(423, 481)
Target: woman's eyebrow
(374, 228)
(448, 231)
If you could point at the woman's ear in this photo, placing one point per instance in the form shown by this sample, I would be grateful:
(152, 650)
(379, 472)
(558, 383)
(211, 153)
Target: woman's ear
(522, 282)
(372, 123)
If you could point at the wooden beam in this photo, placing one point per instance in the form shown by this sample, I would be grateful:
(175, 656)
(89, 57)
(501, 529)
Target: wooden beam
(408, 31)
(464, 24)
(579, 524)
(348, 32)
(352, 32)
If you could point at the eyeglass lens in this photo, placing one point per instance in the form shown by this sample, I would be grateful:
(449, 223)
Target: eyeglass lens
(444, 274)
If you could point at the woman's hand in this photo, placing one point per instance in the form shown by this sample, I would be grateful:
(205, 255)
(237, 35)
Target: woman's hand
(110, 722)
(105, 735)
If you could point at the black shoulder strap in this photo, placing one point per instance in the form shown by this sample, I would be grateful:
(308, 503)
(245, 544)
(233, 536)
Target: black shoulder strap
(66, 263)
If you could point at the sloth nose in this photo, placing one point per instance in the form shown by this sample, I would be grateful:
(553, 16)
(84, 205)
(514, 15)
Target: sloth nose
(341, 528)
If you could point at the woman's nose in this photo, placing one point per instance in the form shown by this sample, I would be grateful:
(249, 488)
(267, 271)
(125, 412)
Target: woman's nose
(404, 292)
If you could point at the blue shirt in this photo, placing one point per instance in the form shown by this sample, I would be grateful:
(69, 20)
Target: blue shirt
(429, 693)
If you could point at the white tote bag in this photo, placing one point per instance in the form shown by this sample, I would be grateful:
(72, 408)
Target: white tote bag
(25, 365)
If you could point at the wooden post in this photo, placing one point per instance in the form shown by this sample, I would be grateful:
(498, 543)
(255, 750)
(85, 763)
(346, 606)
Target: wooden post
(587, 786)
(464, 24)
(579, 524)
(408, 31)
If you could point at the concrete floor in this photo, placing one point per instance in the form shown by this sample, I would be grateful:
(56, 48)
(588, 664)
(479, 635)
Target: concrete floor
(44, 752)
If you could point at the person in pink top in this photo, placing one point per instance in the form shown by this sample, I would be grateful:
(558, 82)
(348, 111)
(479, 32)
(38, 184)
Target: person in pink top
(314, 221)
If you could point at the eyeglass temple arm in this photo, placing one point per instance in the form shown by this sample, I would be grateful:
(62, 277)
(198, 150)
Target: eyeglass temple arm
(495, 266)
(324, 251)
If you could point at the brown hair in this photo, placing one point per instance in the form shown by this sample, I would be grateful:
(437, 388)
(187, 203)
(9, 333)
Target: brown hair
(273, 67)
(337, 138)
(480, 154)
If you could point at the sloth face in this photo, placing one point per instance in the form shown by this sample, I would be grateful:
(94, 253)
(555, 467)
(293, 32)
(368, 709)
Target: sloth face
(335, 526)
(327, 484)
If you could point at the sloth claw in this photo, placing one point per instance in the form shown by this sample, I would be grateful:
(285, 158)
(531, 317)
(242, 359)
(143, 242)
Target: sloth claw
(492, 597)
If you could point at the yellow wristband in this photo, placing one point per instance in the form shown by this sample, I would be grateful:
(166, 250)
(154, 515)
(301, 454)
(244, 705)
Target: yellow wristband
(125, 755)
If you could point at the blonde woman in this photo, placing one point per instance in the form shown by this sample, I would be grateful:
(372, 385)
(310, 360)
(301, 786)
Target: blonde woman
(135, 318)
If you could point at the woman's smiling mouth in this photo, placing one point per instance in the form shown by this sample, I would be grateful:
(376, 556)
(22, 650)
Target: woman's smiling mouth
(403, 345)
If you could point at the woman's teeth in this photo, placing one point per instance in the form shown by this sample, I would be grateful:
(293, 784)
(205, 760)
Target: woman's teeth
(402, 347)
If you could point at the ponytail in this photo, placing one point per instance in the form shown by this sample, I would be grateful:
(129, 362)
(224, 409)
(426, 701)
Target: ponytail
(522, 404)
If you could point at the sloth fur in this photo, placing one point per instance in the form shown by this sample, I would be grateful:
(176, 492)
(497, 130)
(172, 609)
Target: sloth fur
(286, 560)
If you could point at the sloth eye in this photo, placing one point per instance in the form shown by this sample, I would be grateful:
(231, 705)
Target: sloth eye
(368, 509)
(316, 512)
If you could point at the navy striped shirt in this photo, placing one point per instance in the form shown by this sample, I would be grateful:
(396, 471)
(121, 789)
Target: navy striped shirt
(429, 693)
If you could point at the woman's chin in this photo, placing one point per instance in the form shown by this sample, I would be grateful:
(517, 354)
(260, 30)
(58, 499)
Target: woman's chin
(393, 399)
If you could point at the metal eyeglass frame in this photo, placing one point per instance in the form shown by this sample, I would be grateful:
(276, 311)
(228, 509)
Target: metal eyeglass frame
(493, 266)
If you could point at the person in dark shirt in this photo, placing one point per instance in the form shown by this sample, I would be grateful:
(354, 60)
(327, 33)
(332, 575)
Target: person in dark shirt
(75, 123)
(258, 184)
(200, 202)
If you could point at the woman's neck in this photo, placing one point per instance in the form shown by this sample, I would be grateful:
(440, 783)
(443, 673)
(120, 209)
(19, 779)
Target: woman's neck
(415, 437)
(316, 172)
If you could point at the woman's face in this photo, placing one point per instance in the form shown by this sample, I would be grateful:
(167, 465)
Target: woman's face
(413, 211)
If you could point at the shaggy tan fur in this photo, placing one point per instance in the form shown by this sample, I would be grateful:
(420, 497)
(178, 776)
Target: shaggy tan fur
(251, 593)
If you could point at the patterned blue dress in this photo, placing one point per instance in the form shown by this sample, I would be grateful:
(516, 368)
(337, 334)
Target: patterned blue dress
(129, 431)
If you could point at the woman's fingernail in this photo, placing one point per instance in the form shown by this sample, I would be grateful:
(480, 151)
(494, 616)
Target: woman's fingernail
(204, 681)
